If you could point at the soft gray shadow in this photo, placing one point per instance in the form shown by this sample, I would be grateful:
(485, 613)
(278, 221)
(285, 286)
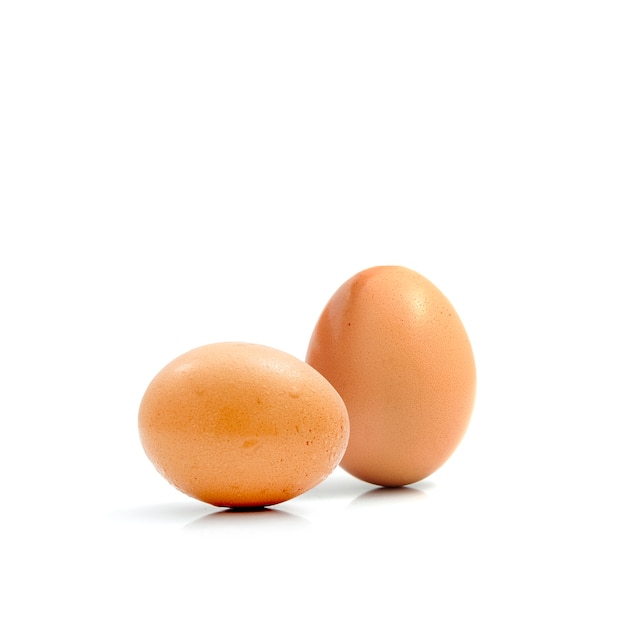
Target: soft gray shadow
(383, 496)
(336, 486)
(163, 513)
(259, 518)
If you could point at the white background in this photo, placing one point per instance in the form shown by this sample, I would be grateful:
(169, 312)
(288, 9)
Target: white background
(179, 173)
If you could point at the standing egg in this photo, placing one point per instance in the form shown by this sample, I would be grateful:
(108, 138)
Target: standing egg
(395, 349)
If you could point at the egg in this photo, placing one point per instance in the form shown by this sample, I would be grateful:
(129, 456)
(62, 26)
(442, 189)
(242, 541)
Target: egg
(242, 425)
(398, 354)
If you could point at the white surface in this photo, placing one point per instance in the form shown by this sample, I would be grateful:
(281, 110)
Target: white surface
(174, 174)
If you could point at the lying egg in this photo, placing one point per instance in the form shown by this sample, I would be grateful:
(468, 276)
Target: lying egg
(242, 425)
(396, 351)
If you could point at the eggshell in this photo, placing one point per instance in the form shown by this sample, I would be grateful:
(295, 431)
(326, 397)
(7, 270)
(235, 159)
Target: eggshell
(396, 351)
(242, 425)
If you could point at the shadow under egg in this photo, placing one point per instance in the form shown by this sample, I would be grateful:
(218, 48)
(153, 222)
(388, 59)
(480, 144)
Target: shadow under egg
(246, 517)
(386, 495)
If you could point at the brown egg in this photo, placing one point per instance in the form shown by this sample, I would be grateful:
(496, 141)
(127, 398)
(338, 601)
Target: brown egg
(396, 351)
(242, 425)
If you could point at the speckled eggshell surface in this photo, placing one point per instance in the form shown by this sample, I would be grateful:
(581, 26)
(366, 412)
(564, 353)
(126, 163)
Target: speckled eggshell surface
(396, 351)
(242, 425)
